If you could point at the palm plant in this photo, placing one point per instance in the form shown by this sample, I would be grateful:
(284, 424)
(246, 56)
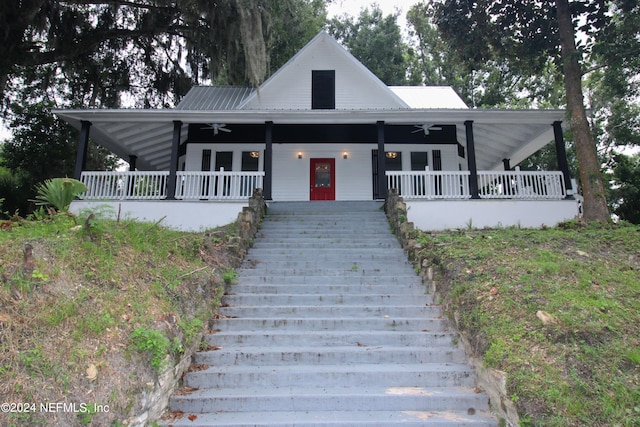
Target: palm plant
(59, 192)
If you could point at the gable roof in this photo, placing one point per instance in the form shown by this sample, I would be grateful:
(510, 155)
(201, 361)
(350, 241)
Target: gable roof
(290, 87)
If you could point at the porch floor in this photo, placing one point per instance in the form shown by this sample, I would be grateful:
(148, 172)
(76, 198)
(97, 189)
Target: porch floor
(322, 207)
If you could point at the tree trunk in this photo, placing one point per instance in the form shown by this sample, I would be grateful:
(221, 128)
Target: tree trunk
(595, 203)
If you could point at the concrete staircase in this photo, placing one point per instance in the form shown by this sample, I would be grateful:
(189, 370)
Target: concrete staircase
(329, 325)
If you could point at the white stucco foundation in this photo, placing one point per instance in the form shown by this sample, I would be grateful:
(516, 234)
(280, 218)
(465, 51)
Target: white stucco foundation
(451, 214)
(175, 214)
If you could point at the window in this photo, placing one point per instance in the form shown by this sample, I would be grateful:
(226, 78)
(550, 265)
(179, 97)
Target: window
(323, 89)
(437, 160)
(250, 161)
(224, 159)
(249, 164)
(460, 151)
(393, 161)
(419, 160)
(206, 161)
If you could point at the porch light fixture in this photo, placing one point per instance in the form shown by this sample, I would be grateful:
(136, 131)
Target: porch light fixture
(345, 155)
(391, 155)
(254, 154)
(299, 154)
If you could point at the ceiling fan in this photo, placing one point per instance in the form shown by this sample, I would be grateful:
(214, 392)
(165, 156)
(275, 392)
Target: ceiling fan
(426, 128)
(217, 127)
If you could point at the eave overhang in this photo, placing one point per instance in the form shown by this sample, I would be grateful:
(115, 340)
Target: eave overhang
(147, 134)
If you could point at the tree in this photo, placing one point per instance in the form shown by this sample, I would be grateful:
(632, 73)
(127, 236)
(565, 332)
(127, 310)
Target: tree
(108, 47)
(593, 189)
(625, 191)
(91, 53)
(377, 42)
(526, 35)
(42, 147)
(294, 24)
(491, 83)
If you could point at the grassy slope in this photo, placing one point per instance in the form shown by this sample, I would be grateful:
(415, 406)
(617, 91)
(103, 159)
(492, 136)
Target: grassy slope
(583, 368)
(65, 331)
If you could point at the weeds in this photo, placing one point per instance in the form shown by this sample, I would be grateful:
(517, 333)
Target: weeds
(583, 370)
(99, 291)
(191, 329)
(229, 276)
(154, 343)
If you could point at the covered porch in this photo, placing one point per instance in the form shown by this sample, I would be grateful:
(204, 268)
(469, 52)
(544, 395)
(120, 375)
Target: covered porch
(476, 150)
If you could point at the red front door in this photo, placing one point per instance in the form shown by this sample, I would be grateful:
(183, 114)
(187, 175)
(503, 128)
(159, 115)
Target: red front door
(323, 179)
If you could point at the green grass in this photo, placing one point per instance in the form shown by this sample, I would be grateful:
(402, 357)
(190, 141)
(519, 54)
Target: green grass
(118, 297)
(583, 370)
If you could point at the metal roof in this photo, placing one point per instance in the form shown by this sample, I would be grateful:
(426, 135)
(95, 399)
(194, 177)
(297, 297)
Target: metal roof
(429, 96)
(212, 98)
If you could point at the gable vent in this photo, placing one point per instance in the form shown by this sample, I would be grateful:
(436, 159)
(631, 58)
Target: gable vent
(323, 89)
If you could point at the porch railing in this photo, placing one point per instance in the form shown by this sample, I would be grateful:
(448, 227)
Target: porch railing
(521, 185)
(217, 185)
(491, 185)
(139, 185)
(125, 185)
(430, 184)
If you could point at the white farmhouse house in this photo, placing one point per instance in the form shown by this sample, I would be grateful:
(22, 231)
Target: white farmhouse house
(324, 127)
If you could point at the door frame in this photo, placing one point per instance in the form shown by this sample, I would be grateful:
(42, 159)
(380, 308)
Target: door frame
(322, 193)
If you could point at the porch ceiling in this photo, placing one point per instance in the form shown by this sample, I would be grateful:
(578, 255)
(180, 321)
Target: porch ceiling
(147, 134)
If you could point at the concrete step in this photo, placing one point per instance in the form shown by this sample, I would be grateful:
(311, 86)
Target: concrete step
(371, 418)
(326, 253)
(329, 399)
(325, 244)
(329, 355)
(338, 236)
(383, 375)
(328, 325)
(332, 312)
(333, 324)
(237, 300)
(283, 278)
(352, 264)
(324, 222)
(309, 256)
(364, 339)
(417, 290)
(357, 226)
(344, 273)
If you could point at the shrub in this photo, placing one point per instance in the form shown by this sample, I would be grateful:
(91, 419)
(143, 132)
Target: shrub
(59, 192)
